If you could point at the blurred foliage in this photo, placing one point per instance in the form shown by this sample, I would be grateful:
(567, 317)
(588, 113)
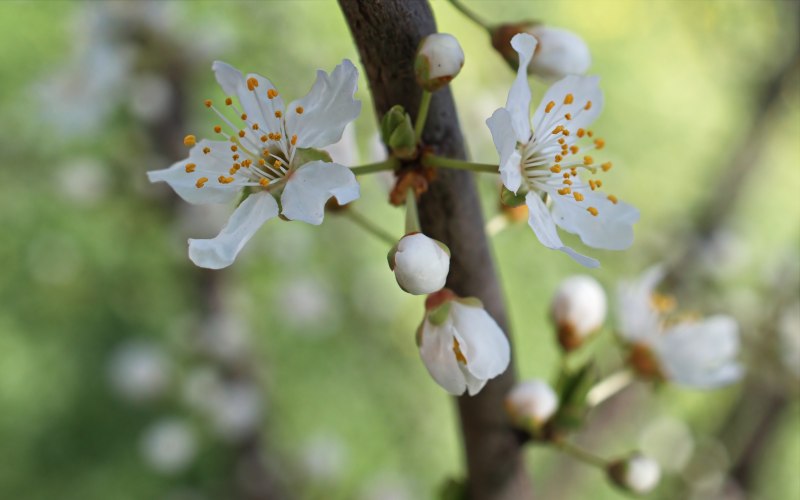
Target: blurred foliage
(98, 254)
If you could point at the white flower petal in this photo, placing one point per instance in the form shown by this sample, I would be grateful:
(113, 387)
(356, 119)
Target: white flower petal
(481, 340)
(540, 220)
(583, 89)
(326, 109)
(701, 354)
(638, 319)
(436, 351)
(611, 229)
(518, 103)
(506, 144)
(474, 384)
(221, 251)
(310, 187)
(211, 166)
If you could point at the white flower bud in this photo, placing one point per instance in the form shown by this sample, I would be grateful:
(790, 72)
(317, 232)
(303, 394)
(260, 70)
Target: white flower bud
(638, 474)
(578, 310)
(532, 403)
(420, 264)
(168, 445)
(558, 54)
(139, 371)
(439, 59)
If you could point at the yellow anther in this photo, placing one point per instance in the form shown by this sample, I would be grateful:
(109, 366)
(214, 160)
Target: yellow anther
(558, 158)
(573, 172)
(565, 132)
(599, 143)
(566, 175)
(272, 93)
(613, 199)
(299, 110)
(599, 183)
(278, 113)
(592, 184)
(580, 132)
(228, 101)
(549, 107)
(564, 191)
(264, 138)
(568, 116)
(574, 149)
(233, 170)
(568, 99)
(457, 351)
(235, 157)
(278, 136)
(555, 168)
(606, 166)
(252, 83)
(558, 129)
(208, 103)
(568, 182)
(237, 166)
(663, 303)
(217, 129)
(588, 160)
(234, 148)
(592, 211)
(578, 196)
(190, 168)
(294, 140)
(271, 136)
(264, 182)
(277, 164)
(561, 140)
(588, 105)
(189, 140)
(247, 163)
(241, 133)
(201, 182)
(265, 152)
(262, 162)
(590, 133)
(254, 126)
(206, 150)
(224, 180)
(244, 116)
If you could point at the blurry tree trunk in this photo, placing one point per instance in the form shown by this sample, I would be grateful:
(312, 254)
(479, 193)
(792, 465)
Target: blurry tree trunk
(387, 33)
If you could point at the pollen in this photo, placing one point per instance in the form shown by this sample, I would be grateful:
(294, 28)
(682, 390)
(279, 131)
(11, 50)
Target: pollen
(189, 140)
(592, 211)
(233, 170)
(206, 150)
(588, 105)
(264, 138)
(588, 160)
(244, 116)
(278, 113)
(190, 168)
(578, 196)
(272, 94)
(234, 148)
(235, 157)
(568, 116)
(592, 184)
(590, 133)
(606, 166)
(613, 199)
(294, 140)
(457, 351)
(252, 83)
(201, 182)
(208, 103)
(558, 129)
(599, 183)
(558, 157)
(262, 162)
(561, 141)
(555, 169)
(241, 133)
(277, 164)
(218, 129)
(580, 132)
(228, 101)
(224, 180)
(568, 182)
(599, 143)
(564, 191)
(565, 132)
(568, 99)
(549, 107)
(299, 110)
(574, 149)
(264, 182)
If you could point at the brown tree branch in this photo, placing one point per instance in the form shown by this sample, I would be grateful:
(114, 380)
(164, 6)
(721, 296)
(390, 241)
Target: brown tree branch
(387, 33)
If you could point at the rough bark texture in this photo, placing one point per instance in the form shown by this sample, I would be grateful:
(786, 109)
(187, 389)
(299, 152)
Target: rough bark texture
(387, 33)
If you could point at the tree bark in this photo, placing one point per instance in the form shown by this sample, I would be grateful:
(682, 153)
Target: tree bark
(387, 33)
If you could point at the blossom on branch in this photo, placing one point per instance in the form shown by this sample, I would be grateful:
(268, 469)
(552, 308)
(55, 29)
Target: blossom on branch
(461, 345)
(541, 158)
(271, 154)
(420, 264)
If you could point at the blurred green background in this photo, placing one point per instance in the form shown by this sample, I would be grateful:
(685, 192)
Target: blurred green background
(309, 322)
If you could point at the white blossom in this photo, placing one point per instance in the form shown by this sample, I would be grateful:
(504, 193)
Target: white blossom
(532, 402)
(700, 354)
(271, 153)
(168, 445)
(460, 344)
(139, 371)
(559, 53)
(439, 59)
(578, 310)
(420, 264)
(540, 158)
(638, 474)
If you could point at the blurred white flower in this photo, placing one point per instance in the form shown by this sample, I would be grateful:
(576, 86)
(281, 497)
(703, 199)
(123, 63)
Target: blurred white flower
(324, 457)
(539, 157)
(461, 345)
(559, 53)
(168, 445)
(578, 310)
(83, 181)
(700, 354)
(310, 306)
(224, 337)
(199, 388)
(235, 410)
(139, 371)
(150, 97)
(669, 441)
(638, 474)
(531, 403)
(420, 264)
(439, 59)
(268, 153)
(789, 335)
(389, 486)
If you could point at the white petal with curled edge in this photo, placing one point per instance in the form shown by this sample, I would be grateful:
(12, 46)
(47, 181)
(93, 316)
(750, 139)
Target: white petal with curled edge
(211, 166)
(326, 109)
(583, 90)
(610, 229)
(221, 251)
(312, 185)
(482, 341)
(518, 103)
(506, 144)
(540, 220)
(638, 319)
(436, 351)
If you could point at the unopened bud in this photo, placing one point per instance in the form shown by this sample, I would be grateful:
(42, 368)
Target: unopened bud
(531, 403)
(397, 132)
(439, 59)
(578, 310)
(637, 474)
(420, 264)
(558, 52)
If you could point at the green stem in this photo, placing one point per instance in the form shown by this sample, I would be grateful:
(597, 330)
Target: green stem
(422, 114)
(471, 15)
(431, 160)
(370, 168)
(369, 226)
(581, 454)
(412, 217)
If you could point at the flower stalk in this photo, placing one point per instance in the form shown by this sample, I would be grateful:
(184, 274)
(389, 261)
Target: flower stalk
(367, 225)
(370, 168)
(580, 454)
(470, 15)
(422, 114)
(412, 216)
(431, 160)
